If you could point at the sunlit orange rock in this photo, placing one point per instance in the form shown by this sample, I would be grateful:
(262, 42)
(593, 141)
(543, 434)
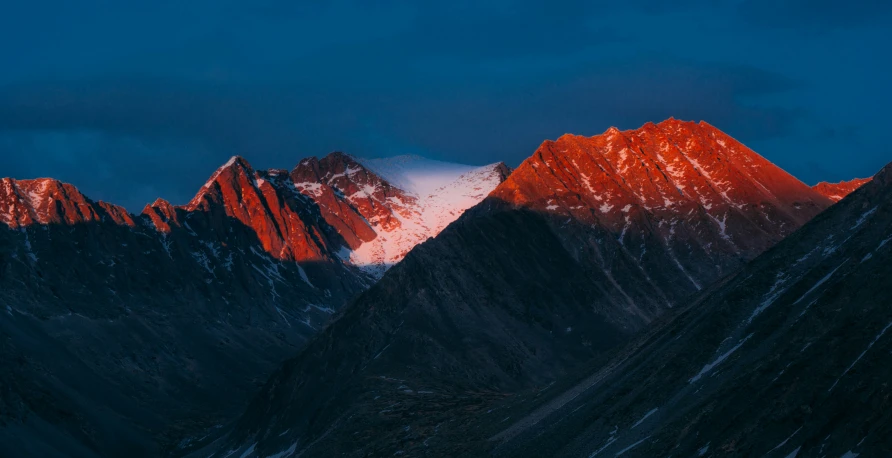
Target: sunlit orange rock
(49, 201)
(677, 190)
(837, 191)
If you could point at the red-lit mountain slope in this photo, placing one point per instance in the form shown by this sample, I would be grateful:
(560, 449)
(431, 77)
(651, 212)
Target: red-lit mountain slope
(381, 220)
(48, 201)
(683, 201)
(133, 327)
(583, 245)
(837, 191)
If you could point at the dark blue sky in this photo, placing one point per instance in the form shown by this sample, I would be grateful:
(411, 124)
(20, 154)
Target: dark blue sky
(139, 99)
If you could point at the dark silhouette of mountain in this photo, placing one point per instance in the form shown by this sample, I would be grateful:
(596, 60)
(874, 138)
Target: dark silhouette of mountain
(584, 244)
(788, 357)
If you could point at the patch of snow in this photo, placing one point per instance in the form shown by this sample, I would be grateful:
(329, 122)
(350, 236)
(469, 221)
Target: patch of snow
(426, 217)
(303, 275)
(416, 174)
(644, 418)
(29, 251)
(598, 451)
(703, 450)
(869, 346)
(314, 189)
(785, 443)
(708, 367)
(864, 218)
(285, 453)
(819, 283)
(771, 296)
(685, 272)
(202, 260)
(249, 451)
(621, 452)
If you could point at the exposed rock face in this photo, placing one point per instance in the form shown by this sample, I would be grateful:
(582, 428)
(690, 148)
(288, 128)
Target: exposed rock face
(48, 201)
(685, 202)
(379, 221)
(122, 339)
(789, 357)
(837, 191)
(586, 242)
(286, 222)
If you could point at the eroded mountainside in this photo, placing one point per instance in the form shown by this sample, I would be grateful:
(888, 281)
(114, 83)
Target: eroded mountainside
(786, 358)
(130, 334)
(585, 243)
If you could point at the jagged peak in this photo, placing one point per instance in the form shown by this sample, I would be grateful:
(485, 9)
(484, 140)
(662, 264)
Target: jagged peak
(667, 165)
(48, 200)
(235, 164)
(502, 169)
(333, 167)
(161, 203)
(161, 206)
(230, 171)
(844, 182)
(330, 160)
(238, 161)
(837, 191)
(339, 155)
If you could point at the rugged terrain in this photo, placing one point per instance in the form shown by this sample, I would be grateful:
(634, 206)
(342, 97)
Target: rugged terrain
(837, 191)
(384, 207)
(584, 244)
(136, 334)
(786, 358)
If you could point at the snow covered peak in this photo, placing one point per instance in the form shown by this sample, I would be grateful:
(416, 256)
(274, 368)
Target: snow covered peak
(382, 208)
(416, 174)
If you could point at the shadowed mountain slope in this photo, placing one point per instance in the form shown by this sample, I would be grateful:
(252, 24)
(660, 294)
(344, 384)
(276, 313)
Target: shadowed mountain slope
(583, 245)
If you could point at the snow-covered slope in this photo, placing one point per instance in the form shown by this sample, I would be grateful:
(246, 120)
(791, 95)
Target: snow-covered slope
(430, 212)
(415, 174)
(384, 207)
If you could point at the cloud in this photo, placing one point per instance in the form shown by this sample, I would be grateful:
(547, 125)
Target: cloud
(169, 135)
(106, 166)
(507, 123)
(466, 81)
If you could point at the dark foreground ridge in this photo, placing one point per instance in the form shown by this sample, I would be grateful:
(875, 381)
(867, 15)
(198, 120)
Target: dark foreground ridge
(586, 243)
(786, 358)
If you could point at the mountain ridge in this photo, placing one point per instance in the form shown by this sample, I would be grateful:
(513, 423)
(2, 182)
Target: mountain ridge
(784, 358)
(522, 288)
(838, 191)
(123, 331)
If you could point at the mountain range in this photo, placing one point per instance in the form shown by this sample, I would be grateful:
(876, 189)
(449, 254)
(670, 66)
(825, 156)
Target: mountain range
(129, 332)
(418, 300)
(584, 245)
